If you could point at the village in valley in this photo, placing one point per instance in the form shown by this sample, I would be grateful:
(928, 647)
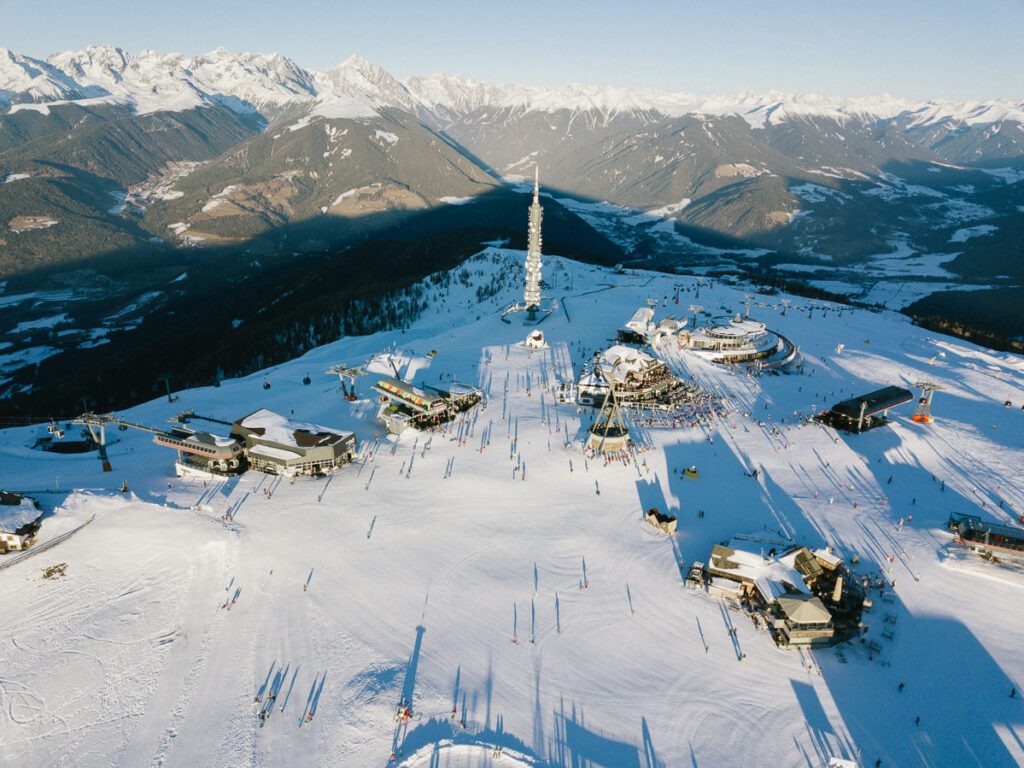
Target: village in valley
(571, 516)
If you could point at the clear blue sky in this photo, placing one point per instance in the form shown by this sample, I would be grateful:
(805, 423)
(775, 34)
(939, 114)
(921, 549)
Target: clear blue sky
(912, 48)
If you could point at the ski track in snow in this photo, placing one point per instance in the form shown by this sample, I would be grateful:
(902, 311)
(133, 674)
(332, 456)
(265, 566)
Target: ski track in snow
(424, 550)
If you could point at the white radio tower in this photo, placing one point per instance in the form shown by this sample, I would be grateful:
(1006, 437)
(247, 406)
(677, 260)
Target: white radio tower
(531, 296)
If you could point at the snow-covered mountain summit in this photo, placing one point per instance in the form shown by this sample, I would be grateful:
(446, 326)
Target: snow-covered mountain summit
(461, 95)
(150, 81)
(24, 79)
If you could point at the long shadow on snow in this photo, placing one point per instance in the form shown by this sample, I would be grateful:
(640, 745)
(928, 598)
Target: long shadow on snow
(938, 658)
(574, 744)
(577, 745)
(732, 501)
(940, 661)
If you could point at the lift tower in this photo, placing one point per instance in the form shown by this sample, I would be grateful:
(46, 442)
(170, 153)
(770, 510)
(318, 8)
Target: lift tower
(695, 308)
(347, 373)
(97, 423)
(923, 414)
(609, 432)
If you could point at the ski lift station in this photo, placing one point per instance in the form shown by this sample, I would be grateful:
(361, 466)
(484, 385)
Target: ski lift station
(280, 446)
(202, 451)
(866, 411)
(263, 440)
(991, 540)
(404, 405)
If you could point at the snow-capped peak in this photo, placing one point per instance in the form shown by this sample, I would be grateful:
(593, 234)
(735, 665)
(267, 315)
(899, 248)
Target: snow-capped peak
(259, 79)
(454, 94)
(361, 78)
(25, 79)
(150, 81)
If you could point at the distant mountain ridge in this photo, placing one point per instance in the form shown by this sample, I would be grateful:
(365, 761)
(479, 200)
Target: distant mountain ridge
(152, 81)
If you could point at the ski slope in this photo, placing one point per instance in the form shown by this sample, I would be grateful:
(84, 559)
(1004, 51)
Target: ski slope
(447, 569)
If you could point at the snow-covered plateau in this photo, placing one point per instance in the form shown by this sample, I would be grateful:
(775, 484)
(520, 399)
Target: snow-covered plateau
(407, 574)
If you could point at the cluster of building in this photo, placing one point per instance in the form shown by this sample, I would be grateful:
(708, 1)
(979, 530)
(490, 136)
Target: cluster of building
(641, 328)
(631, 379)
(806, 597)
(724, 341)
(262, 440)
(640, 380)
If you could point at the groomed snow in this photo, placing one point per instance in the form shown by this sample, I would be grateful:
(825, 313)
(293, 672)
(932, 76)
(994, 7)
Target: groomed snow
(418, 557)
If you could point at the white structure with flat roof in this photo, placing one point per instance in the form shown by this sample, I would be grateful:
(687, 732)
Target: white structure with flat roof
(739, 340)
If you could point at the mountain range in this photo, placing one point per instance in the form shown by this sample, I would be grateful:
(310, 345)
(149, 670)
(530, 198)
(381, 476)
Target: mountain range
(264, 83)
(120, 171)
(223, 147)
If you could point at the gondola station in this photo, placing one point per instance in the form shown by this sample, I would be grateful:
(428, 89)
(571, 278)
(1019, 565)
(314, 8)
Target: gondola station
(991, 540)
(263, 440)
(279, 446)
(865, 411)
(403, 405)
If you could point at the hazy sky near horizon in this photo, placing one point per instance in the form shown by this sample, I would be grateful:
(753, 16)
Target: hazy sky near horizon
(911, 48)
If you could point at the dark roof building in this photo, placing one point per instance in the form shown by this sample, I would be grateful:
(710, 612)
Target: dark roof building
(866, 411)
(991, 538)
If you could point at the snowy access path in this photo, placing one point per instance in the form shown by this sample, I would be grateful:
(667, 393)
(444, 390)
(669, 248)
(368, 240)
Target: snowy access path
(492, 568)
